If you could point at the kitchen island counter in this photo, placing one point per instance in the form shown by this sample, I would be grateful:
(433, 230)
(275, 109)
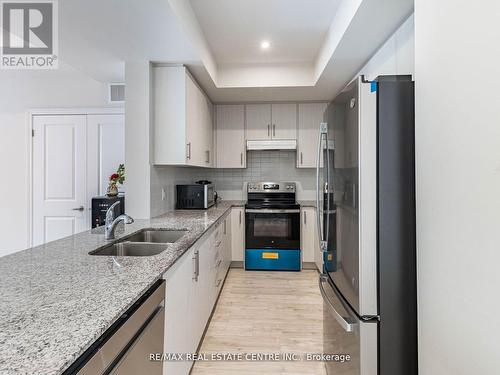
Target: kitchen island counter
(56, 299)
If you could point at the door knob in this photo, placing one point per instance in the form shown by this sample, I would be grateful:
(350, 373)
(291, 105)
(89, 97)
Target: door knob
(81, 208)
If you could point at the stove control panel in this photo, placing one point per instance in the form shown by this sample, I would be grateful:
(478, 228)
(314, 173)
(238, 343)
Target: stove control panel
(270, 187)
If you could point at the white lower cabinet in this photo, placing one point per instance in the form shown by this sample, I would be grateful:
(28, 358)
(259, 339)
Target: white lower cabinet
(223, 253)
(226, 262)
(237, 234)
(309, 240)
(218, 262)
(202, 302)
(179, 313)
(193, 284)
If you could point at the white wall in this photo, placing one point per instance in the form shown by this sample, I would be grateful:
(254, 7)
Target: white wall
(457, 51)
(396, 55)
(19, 92)
(265, 75)
(138, 135)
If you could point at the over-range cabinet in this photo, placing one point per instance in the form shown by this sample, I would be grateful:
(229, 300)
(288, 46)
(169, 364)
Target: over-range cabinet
(366, 220)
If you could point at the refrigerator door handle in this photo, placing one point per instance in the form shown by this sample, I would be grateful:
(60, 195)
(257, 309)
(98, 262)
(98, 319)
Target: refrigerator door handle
(349, 324)
(322, 243)
(327, 188)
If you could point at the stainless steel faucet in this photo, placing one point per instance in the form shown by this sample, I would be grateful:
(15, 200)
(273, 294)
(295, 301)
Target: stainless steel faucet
(111, 222)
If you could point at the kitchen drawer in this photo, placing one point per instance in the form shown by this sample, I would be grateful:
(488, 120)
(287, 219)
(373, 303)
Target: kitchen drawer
(272, 259)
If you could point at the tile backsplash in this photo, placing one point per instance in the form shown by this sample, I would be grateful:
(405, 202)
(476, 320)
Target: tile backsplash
(231, 183)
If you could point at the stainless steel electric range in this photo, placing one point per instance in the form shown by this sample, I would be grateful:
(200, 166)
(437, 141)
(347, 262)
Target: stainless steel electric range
(272, 227)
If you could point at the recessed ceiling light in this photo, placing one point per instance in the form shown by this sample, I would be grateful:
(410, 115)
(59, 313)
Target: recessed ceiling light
(265, 44)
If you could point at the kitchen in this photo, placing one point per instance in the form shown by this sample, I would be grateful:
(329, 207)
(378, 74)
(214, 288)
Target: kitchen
(290, 198)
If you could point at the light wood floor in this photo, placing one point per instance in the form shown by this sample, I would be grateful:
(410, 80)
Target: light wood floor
(265, 312)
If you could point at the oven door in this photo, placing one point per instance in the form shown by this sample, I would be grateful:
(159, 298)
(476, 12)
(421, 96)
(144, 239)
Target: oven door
(272, 229)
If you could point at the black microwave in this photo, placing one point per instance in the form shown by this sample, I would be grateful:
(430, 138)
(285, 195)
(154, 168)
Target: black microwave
(195, 196)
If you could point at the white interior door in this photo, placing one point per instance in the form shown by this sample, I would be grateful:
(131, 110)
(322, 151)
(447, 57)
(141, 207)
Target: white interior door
(106, 150)
(59, 177)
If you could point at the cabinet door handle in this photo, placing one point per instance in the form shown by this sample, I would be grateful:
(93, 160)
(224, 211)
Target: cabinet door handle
(208, 156)
(81, 208)
(301, 158)
(240, 217)
(224, 226)
(218, 283)
(268, 129)
(241, 158)
(305, 217)
(274, 130)
(188, 151)
(196, 265)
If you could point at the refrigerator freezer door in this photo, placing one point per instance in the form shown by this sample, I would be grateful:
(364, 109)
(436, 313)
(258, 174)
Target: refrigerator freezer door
(349, 344)
(351, 260)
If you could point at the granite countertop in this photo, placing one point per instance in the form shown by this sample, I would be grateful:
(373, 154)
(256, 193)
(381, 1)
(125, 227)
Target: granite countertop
(56, 300)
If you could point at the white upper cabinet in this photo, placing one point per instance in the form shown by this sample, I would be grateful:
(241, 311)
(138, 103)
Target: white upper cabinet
(183, 125)
(310, 117)
(258, 118)
(230, 136)
(284, 121)
(271, 121)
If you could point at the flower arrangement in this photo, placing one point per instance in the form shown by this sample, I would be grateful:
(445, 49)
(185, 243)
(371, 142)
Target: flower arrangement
(115, 179)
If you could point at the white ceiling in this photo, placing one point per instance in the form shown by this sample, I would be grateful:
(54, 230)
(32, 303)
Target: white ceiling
(357, 30)
(234, 29)
(98, 36)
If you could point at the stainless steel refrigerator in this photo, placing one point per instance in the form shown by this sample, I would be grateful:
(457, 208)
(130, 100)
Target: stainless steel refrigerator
(366, 220)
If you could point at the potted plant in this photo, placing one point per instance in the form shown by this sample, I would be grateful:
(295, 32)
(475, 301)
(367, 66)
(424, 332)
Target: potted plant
(115, 179)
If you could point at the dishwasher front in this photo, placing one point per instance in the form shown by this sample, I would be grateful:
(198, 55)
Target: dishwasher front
(125, 348)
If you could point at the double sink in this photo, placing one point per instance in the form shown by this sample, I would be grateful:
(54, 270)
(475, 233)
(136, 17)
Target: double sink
(147, 242)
